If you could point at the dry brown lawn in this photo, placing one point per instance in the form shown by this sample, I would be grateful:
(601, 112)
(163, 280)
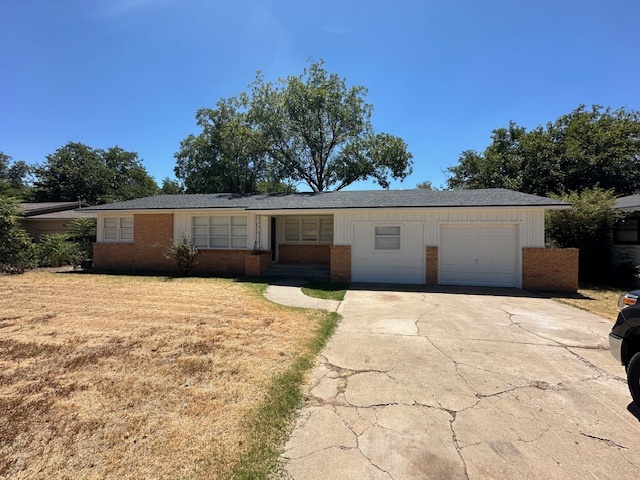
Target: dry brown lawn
(134, 377)
(602, 301)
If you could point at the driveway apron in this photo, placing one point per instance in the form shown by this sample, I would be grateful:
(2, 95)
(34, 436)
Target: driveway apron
(476, 384)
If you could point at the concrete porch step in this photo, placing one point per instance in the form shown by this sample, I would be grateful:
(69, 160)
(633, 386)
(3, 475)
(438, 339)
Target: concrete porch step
(316, 273)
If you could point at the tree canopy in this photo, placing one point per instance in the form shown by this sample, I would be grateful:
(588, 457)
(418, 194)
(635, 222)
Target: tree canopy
(587, 226)
(310, 128)
(13, 177)
(580, 150)
(228, 156)
(94, 175)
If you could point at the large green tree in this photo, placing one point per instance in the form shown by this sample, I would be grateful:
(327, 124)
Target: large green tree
(583, 149)
(227, 156)
(310, 128)
(94, 175)
(13, 177)
(587, 226)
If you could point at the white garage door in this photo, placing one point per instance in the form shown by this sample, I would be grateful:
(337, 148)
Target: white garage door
(478, 255)
(389, 258)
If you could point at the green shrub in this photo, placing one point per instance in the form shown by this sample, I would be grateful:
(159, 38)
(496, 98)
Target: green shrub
(57, 250)
(83, 232)
(16, 249)
(184, 254)
(587, 226)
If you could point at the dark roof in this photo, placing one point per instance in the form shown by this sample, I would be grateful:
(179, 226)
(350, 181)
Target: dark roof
(339, 200)
(64, 215)
(30, 209)
(628, 204)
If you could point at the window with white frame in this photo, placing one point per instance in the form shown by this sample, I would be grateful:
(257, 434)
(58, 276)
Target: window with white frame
(117, 229)
(386, 237)
(220, 231)
(308, 230)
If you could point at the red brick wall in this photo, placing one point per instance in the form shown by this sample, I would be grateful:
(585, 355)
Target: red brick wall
(221, 262)
(311, 254)
(432, 266)
(340, 263)
(152, 236)
(552, 269)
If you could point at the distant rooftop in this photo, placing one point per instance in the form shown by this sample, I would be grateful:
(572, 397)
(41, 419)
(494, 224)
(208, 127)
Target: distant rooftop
(339, 200)
(37, 208)
(628, 204)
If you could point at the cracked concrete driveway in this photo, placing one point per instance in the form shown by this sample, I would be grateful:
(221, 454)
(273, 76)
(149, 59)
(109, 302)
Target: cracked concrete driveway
(481, 384)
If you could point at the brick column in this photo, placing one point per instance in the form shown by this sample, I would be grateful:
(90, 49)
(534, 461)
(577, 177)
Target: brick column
(254, 265)
(341, 263)
(553, 269)
(432, 266)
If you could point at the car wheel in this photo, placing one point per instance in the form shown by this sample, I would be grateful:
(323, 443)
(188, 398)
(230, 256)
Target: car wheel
(633, 378)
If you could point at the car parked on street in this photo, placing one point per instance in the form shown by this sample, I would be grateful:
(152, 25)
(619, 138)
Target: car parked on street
(624, 340)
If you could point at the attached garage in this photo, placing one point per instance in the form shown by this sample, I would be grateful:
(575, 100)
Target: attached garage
(482, 255)
(491, 237)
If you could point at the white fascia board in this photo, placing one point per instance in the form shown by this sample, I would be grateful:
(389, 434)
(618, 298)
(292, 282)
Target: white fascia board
(132, 212)
(297, 212)
(313, 211)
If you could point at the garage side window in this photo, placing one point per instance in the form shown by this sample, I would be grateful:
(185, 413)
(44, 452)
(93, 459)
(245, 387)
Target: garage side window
(228, 231)
(117, 229)
(386, 238)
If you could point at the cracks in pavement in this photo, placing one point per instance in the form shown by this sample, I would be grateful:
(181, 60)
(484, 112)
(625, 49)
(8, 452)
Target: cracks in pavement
(364, 421)
(519, 325)
(607, 441)
(455, 364)
(454, 439)
(425, 298)
(602, 373)
(568, 348)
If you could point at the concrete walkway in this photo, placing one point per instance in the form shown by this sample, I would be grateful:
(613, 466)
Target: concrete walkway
(469, 384)
(288, 293)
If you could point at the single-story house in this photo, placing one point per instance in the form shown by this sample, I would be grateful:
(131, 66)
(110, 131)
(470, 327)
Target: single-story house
(491, 237)
(46, 218)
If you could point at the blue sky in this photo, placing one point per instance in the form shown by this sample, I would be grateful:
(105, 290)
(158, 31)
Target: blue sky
(441, 74)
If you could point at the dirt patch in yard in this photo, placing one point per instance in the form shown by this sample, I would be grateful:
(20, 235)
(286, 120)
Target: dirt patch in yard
(134, 377)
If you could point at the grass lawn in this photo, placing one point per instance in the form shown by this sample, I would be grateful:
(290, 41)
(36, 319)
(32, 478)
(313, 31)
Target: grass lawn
(600, 300)
(147, 377)
(327, 291)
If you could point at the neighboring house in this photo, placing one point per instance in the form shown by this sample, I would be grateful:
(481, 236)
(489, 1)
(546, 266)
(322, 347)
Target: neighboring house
(50, 217)
(492, 237)
(626, 233)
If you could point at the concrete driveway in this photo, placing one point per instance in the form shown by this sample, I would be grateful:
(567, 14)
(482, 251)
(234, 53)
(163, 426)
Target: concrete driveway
(462, 384)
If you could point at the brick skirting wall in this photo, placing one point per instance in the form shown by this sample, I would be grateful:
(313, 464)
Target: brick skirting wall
(340, 263)
(221, 262)
(432, 266)
(305, 254)
(152, 236)
(552, 269)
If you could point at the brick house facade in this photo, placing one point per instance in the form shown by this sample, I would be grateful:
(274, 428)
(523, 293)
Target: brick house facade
(481, 237)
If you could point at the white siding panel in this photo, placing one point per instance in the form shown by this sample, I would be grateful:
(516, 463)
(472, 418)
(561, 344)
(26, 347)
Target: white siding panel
(403, 266)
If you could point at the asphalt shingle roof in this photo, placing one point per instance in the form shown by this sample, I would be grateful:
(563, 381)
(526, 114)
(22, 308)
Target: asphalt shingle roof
(628, 204)
(338, 200)
(64, 215)
(29, 209)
